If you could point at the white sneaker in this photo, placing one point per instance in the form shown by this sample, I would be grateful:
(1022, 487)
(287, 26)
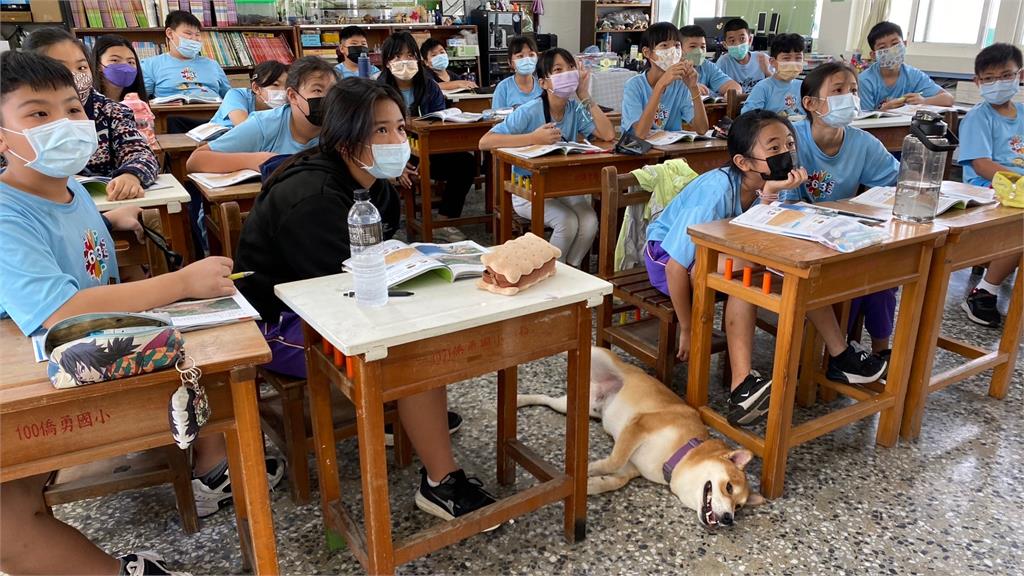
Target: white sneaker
(449, 234)
(146, 564)
(213, 490)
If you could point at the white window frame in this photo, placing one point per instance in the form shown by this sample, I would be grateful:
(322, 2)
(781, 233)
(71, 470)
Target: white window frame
(959, 58)
(914, 23)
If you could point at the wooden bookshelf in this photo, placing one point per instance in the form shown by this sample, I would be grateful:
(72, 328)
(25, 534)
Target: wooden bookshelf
(593, 11)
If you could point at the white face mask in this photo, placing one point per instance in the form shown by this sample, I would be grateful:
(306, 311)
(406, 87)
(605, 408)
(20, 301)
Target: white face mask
(666, 58)
(275, 98)
(63, 147)
(404, 69)
(389, 160)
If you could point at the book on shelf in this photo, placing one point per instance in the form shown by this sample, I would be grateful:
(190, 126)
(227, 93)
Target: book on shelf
(810, 222)
(663, 138)
(213, 180)
(951, 195)
(538, 150)
(206, 132)
(453, 115)
(449, 261)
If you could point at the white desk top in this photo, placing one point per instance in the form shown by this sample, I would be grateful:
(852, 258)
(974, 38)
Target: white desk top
(170, 193)
(436, 308)
(467, 96)
(869, 123)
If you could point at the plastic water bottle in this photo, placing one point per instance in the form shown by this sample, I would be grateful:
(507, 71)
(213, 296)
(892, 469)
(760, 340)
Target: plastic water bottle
(144, 118)
(364, 65)
(365, 238)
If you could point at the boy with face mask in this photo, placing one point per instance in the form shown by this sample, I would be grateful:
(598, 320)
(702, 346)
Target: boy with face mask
(182, 70)
(781, 92)
(353, 43)
(891, 83)
(742, 64)
(710, 77)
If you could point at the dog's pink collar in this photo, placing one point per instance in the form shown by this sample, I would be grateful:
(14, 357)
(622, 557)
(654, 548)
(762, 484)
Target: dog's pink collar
(670, 464)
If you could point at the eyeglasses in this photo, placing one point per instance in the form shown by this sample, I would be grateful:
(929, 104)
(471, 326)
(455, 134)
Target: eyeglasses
(1000, 78)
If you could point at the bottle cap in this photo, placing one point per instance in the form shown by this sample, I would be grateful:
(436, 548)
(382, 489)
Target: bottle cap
(361, 195)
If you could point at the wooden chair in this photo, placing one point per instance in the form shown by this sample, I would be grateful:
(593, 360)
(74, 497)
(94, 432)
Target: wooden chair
(284, 411)
(733, 103)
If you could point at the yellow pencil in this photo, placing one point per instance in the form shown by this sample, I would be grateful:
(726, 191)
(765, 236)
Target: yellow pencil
(240, 275)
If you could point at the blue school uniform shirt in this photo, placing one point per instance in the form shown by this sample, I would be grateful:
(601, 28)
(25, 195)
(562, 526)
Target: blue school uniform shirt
(776, 96)
(713, 195)
(346, 73)
(235, 99)
(264, 131)
(674, 108)
(507, 94)
(873, 91)
(51, 251)
(574, 123)
(862, 159)
(748, 75)
(165, 75)
(985, 133)
(710, 75)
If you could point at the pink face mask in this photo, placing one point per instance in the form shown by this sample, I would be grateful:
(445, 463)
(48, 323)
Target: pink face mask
(564, 84)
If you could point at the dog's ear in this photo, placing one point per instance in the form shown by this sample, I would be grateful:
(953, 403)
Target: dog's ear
(602, 368)
(755, 499)
(740, 458)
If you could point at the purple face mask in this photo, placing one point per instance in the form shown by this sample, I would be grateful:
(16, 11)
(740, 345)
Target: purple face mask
(564, 84)
(121, 75)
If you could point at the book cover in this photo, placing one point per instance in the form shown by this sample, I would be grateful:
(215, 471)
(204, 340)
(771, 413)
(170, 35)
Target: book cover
(449, 261)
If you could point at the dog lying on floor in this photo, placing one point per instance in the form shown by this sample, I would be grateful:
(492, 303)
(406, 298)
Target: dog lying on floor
(659, 437)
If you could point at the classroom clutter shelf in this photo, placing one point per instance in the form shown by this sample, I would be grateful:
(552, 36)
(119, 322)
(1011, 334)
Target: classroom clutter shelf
(614, 26)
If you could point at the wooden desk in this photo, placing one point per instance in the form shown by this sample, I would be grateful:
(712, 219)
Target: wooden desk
(976, 236)
(446, 333)
(213, 201)
(470, 102)
(434, 137)
(701, 155)
(198, 111)
(555, 176)
(889, 131)
(44, 429)
(814, 276)
(178, 147)
(171, 200)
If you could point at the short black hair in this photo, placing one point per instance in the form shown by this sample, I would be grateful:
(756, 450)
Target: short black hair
(691, 31)
(881, 30)
(815, 79)
(996, 55)
(43, 38)
(428, 45)
(734, 25)
(350, 31)
(517, 44)
(177, 18)
(305, 67)
(547, 61)
(267, 72)
(34, 70)
(745, 128)
(787, 43)
(658, 33)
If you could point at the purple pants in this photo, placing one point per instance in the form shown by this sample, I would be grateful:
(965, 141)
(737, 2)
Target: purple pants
(287, 345)
(656, 259)
(879, 312)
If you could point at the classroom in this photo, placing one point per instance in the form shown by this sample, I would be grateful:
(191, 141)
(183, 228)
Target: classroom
(511, 287)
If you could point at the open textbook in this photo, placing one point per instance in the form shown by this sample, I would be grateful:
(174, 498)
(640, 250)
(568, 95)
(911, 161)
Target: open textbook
(207, 132)
(453, 115)
(186, 99)
(665, 138)
(213, 180)
(449, 261)
(537, 150)
(97, 185)
(810, 222)
(951, 195)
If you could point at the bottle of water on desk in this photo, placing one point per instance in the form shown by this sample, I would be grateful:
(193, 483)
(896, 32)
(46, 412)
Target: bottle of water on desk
(365, 238)
(922, 164)
(363, 65)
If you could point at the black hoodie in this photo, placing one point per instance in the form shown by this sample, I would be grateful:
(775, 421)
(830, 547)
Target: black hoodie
(298, 227)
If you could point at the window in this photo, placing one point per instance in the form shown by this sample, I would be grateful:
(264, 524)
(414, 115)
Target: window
(946, 21)
(703, 9)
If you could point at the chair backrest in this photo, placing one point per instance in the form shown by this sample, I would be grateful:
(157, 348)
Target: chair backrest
(617, 192)
(733, 103)
(232, 217)
(131, 252)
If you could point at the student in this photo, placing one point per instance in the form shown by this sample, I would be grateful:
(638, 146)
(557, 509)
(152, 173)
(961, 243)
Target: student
(840, 159)
(553, 117)
(781, 92)
(353, 43)
(404, 72)
(297, 229)
(710, 77)
(666, 95)
(992, 140)
(266, 90)
(45, 277)
(522, 86)
(285, 130)
(116, 71)
(123, 153)
(182, 69)
(760, 143)
(436, 57)
(741, 64)
(889, 82)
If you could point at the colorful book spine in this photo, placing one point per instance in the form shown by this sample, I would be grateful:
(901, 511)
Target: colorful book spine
(105, 14)
(78, 14)
(232, 13)
(129, 14)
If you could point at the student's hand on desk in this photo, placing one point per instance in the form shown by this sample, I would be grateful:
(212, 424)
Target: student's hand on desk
(547, 134)
(770, 190)
(125, 218)
(465, 84)
(208, 278)
(124, 187)
(894, 103)
(704, 91)
(913, 98)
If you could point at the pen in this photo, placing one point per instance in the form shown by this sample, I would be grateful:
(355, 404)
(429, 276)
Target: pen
(391, 293)
(240, 275)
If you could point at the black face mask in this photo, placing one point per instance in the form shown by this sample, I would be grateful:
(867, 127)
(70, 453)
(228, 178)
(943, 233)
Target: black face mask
(354, 52)
(315, 116)
(780, 165)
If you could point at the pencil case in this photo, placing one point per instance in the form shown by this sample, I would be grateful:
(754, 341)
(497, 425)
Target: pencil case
(1009, 189)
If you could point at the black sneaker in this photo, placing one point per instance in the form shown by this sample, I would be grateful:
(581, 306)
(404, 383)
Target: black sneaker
(455, 496)
(856, 365)
(145, 564)
(748, 403)
(454, 423)
(980, 306)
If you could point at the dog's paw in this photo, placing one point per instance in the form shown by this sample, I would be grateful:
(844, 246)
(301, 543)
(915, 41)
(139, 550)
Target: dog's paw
(597, 485)
(597, 467)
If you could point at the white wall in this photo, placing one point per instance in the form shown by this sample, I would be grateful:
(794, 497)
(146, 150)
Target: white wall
(835, 27)
(562, 17)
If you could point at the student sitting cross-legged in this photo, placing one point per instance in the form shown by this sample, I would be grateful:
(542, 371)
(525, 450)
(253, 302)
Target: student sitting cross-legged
(266, 91)
(890, 82)
(992, 140)
(297, 229)
(557, 116)
(710, 77)
(781, 92)
(522, 86)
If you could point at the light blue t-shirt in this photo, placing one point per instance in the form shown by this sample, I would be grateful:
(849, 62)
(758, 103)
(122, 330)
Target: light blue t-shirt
(346, 73)
(165, 75)
(713, 195)
(777, 96)
(985, 133)
(861, 160)
(235, 99)
(51, 251)
(748, 75)
(574, 123)
(873, 91)
(507, 94)
(674, 108)
(264, 131)
(409, 94)
(710, 75)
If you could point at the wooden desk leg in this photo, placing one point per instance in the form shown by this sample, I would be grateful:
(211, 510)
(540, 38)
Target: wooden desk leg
(427, 194)
(503, 173)
(178, 231)
(507, 387)
(380, 554)
(1008, 344)
(577, 423)
(323, 438)
(488, 196)
(238, 497)
(537, 196)
(703, 317)
(810, 352)
(249, 455)
(784, 383)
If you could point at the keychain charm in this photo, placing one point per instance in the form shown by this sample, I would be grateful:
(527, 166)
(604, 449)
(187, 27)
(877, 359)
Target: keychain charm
(189, 407)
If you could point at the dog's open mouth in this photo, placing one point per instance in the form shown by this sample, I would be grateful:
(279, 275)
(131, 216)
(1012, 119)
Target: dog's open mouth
(708, 518)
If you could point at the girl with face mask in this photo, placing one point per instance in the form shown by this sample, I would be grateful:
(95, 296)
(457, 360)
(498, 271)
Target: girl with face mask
(122, 154)
(267, 89)
(522, 85)
(566, 112)
(115, 68)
